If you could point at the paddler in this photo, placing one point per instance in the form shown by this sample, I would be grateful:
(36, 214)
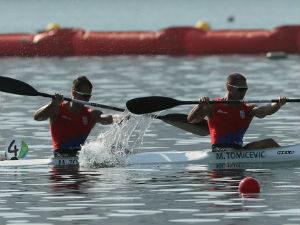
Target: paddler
(229, 122)
(71, 123)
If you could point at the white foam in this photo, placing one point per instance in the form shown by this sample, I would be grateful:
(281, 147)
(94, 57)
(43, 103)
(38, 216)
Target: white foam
(118, 140)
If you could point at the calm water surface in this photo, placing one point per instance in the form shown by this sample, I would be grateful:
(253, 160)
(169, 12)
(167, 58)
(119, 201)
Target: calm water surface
(153, 194)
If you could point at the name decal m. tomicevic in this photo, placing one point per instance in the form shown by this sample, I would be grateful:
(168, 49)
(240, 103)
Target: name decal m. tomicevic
(240, 155)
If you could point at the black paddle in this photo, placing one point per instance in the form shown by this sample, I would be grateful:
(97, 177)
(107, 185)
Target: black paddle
(18, 87)
(152, 104)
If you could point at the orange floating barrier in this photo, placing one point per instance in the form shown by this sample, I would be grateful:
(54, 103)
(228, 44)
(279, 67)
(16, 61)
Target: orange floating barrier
(15, 44)
(114, 43)
(285, 39)
(56, 42)
(169, 41)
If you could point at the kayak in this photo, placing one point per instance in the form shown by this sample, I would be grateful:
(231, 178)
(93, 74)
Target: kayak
(285, 154)
(59, 161)
(281, 154)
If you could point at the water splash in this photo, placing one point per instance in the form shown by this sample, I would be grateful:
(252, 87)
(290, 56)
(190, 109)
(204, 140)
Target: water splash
(119, 139)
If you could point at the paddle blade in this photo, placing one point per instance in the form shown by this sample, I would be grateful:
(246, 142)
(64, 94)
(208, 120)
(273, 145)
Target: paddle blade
(18, 87)
(180, 121)
(151, 104)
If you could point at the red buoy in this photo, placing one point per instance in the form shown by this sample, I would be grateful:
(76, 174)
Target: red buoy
(249, 185)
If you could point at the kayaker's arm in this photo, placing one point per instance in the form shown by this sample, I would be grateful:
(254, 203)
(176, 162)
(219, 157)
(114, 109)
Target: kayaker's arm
(50, 110)
(200, 111)
(105, 119)
(269, 109)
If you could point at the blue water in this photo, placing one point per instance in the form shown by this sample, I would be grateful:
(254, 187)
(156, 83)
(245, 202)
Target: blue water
(153, 194)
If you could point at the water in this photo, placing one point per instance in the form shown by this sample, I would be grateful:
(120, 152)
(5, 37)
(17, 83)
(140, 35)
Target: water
(169, 194)
(152, 194)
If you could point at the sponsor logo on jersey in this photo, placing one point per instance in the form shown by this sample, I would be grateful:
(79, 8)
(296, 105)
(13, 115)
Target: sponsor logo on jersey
(84, 120)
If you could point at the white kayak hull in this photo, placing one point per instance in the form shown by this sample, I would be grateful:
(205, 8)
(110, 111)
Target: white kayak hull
(271, 155)
(67, 161)
(280, 154)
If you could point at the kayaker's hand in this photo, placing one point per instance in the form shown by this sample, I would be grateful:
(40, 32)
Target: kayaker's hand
(251, 105)
(121, 118)
(204, 100)
(57, 99)
(282, 100)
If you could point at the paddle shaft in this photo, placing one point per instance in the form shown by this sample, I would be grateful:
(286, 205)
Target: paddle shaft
(179, 102)
(236, 101)
(84, 102)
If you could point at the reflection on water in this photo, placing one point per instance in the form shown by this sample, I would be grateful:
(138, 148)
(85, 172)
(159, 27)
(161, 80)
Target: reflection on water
(69, 178)
(171, 193)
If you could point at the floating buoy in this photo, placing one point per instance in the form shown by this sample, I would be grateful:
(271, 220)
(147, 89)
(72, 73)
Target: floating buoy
(52, 26)
(249, 185)
(202, 25)
(276, 55)
(230, 18)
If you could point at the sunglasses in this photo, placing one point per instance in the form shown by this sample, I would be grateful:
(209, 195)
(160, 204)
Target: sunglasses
(87, 95)
(240, 88)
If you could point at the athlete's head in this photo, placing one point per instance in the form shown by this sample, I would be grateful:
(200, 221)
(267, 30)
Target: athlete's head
(82, 88)
(236, 85)
(235, 79)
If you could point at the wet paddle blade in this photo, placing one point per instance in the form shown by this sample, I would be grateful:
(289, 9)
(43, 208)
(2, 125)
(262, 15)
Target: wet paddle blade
(180, 121)
(18, 87)
(151, 104)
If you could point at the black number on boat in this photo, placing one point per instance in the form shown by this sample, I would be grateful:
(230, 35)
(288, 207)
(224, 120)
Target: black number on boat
(14, 150)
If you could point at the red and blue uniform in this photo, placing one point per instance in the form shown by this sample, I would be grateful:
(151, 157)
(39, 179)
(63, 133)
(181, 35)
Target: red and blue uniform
(228, 125)
(70, 131)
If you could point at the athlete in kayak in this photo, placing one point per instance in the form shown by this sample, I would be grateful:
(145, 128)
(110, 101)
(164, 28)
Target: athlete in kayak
(71, 123)
(229, 122)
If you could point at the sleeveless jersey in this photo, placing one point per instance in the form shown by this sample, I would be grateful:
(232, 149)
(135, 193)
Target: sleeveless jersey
(70, 131)
(228, 125)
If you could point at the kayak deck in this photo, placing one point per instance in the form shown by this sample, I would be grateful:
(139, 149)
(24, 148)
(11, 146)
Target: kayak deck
(36, 162)
(280, 154)
(272, 155)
